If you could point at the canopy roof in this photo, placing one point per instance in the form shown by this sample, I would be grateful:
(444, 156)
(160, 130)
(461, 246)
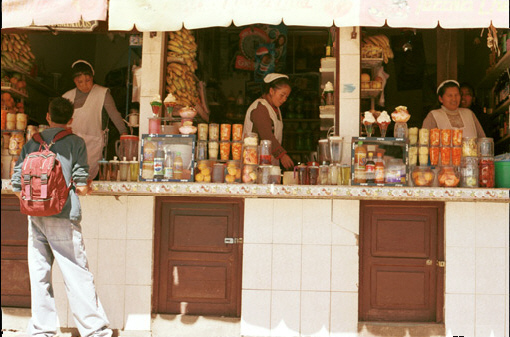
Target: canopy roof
(171, 15)
(23, 13)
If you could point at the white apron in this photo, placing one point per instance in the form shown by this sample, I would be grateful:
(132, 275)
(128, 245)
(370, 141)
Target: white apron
(443, 122)
(277, 123)
(87, 123)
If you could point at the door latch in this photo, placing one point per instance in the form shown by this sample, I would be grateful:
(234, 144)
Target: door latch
(428, 262)
(231, 241)
(441, 264)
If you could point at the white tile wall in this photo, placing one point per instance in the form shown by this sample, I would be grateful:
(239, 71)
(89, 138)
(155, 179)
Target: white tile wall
(288, 221)
(140, 217)
(490, 309)
(116, 220)
(316, 268)
(285, 313)
(257, 260)
(490, 270)
(258, 220)
(256, 317)
(139, 269)
(113, 298)
(344, 314)
(344, 268)
(112, 269)
(286, 267)
(317, 222)
(461, 220)
(460, 314)
(491, 227)
(315, 313)
(460, 270)
(138, 308)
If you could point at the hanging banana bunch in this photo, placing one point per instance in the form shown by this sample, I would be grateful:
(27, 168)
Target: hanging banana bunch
(181, 80)
(16, 52)
(377, 46)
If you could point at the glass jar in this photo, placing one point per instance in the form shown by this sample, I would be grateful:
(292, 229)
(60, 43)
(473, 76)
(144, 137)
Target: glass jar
(422, 176)
(233, 171)
(400, 130)
(485, 147)
(264, 174)
(486, 172)
(469, 147)
(202, 150)
(250, 154)
(204, 171)
(469, 172)
(448, 176)
(249, 174)
(265, 152)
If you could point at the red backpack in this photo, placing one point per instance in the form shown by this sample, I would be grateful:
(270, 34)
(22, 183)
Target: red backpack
(44, 190)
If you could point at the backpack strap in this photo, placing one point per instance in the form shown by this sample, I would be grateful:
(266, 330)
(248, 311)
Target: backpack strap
(60, 135)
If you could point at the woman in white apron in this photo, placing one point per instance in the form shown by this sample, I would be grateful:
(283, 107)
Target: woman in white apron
(264, 116)
(89, 99)
(450, 116)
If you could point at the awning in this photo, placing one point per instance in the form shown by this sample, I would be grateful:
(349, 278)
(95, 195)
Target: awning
(171, 15)
(24, 13)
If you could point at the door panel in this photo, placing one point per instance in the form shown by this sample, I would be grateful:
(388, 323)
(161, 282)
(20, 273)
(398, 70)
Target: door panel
(14, 265)
(195, 271)
(400, 244)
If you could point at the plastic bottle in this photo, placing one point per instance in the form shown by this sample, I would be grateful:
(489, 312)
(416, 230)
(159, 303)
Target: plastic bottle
(379, 169)
(169, 165)
(360, 158)
(178, 165)
(370, 168)
(159, 162)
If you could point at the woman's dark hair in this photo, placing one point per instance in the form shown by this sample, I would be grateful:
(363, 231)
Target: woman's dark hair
(61, 110)
(81, 68)
(445, 86)
(469, 86)
(276, 84)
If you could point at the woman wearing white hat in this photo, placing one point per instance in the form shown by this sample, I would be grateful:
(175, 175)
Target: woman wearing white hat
(89, 100)
(450, 116)
(264, 116)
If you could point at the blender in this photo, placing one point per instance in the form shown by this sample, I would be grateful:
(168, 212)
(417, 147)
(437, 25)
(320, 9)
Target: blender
(335, 147)
(127, 146)
(324, 151)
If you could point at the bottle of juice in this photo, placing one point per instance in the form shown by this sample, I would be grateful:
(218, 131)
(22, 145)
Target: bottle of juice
(379, 169)
(360, 160)
(169, 165)
(178, 165)
(159, 162)
(370, 168)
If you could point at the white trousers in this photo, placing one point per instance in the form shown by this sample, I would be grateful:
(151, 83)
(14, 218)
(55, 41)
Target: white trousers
(50, 239)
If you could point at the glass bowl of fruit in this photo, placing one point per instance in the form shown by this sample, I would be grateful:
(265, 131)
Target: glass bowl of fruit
(449, 176)
(422, 176)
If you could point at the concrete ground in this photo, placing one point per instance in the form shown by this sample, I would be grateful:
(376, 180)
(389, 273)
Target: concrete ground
(15, 320)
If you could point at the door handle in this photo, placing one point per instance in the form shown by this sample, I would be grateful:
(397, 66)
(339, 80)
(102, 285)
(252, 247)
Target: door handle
(231, 241)
(441, 264)
(428, 262)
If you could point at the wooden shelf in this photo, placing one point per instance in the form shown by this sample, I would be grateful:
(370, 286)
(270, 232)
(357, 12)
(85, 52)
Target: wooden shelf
(502, 108)
(502, 140)
(14, 92)
(494, 72)
(367, 63)
(370, 93)
(301, 120)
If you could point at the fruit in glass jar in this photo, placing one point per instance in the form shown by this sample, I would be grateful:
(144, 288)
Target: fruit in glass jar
(422, 177)
(448, 177)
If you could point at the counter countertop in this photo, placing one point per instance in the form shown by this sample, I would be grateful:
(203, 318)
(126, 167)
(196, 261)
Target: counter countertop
(294, 191)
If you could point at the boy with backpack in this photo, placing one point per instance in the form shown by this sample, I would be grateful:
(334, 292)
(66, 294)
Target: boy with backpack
(58, 236)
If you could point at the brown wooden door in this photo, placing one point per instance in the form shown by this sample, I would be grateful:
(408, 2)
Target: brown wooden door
(401, 243)
(196, 271)
(15, 279)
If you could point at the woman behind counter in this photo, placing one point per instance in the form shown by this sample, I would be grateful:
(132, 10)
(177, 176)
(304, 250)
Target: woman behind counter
(450, 116)
(264, 116)
(89, 100)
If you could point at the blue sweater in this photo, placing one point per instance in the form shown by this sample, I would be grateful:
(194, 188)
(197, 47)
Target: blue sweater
(72, 154)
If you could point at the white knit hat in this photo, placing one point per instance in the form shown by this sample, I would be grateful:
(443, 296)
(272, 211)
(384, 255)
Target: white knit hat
(271, 77)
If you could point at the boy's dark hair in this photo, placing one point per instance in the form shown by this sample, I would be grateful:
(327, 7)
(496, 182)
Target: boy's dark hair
(61, 110)
(81, 68)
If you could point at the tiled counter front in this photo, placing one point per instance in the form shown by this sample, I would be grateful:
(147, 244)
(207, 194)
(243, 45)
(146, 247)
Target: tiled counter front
(300, 255)
(301, 265)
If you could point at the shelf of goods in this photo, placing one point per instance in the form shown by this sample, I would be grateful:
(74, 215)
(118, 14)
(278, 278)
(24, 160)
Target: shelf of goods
(494, 72)
(371, 93)
(395, 148)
